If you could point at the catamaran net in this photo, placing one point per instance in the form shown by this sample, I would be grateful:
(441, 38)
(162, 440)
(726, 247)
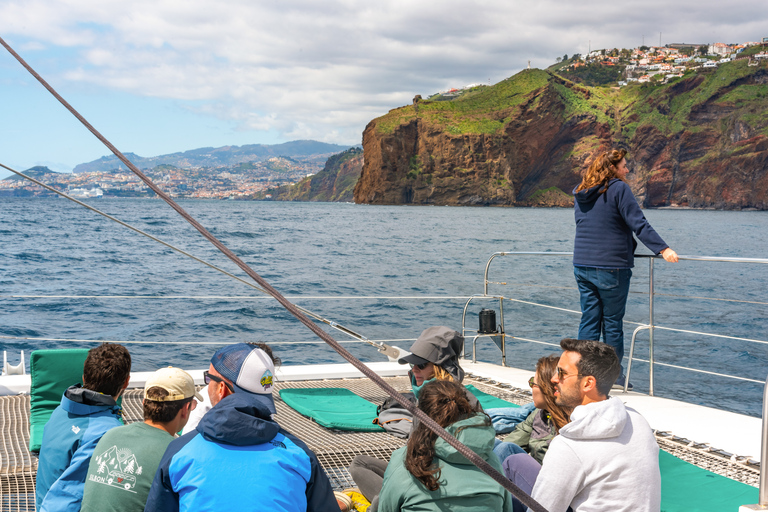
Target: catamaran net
(335, 449)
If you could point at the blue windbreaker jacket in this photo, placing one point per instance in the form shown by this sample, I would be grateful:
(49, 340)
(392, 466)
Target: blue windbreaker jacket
(604, 226)
(238, 458)
(69, 439)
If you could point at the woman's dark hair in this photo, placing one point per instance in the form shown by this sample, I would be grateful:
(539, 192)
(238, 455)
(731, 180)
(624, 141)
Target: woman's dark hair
(446, 402)
(546, 367)
(602, 170)
(276, 361)
(161, 412)
(106, 368)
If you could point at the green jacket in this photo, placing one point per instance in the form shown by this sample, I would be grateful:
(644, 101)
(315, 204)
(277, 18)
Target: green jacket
(534, 434)
(463, 487)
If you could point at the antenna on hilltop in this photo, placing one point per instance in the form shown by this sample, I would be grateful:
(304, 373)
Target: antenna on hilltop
(529, 64)
(659, 39)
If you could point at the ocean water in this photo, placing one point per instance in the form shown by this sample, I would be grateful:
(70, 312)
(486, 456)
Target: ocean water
(386, 272)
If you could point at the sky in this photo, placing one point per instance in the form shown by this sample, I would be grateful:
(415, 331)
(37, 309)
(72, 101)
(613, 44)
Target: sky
(162, 76)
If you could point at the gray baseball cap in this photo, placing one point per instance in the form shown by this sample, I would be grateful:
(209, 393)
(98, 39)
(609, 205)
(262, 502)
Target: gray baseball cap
(440, 346)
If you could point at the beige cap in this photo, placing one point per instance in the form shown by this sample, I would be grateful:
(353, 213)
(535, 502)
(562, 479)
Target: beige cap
(178, 383)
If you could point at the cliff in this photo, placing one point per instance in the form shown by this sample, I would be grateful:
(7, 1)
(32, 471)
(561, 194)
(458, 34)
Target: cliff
(701, 141)
(334, 183)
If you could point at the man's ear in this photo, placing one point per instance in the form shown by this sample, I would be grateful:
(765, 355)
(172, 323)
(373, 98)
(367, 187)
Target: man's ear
(588, 384)
(127, 381)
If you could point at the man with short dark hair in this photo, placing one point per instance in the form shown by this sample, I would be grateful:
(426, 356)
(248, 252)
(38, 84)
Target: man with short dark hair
(606, 458)
(76, 426)
(238, 458)
(125, 460)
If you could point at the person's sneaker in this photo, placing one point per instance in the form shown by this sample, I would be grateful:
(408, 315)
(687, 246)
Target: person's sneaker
(344, 501)
(359, 503)
(620, 384)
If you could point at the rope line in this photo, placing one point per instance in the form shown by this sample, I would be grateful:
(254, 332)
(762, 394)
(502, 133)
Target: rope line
(233, 297)
(76, 340)
(290, 307)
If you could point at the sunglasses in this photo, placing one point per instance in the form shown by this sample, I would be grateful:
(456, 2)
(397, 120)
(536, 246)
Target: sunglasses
(532, 384)
(562, 375)
(207, 378)
(420, 366)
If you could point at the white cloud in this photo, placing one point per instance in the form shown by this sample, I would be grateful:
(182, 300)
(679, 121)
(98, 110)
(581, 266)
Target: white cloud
(323, 69)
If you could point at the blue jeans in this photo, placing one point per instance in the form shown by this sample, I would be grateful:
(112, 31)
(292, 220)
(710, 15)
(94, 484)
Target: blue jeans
(603, 294)
(503, 449)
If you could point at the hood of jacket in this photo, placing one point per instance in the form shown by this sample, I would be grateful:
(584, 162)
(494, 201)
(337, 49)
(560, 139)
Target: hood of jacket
(239, 419)
(83, 402)
(472, 432)
(590, 195)
(598, 420)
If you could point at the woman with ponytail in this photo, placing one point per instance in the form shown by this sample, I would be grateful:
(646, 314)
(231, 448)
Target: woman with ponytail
(429, 474)
(603, 255)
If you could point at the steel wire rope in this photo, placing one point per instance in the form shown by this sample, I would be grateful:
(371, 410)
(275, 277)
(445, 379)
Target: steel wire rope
(307, 312)
(304, 319)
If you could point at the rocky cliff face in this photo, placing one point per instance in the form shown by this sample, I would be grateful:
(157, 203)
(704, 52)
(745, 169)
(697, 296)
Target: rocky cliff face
(334, 183)
(700, 142)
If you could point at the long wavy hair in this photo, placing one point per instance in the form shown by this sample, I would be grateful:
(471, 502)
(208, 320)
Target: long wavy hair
(546, 367)
(602, 170)
(446, 402)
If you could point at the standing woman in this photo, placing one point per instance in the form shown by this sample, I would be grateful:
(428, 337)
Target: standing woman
(603, 255)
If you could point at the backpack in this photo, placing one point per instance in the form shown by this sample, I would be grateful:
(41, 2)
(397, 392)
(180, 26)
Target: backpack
(394, 418)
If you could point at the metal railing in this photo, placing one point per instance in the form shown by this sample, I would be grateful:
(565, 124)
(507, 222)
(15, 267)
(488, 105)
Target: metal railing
(500, 337)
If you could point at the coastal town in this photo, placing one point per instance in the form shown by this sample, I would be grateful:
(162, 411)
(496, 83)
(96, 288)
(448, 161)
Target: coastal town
(662, 63)
(244, 181)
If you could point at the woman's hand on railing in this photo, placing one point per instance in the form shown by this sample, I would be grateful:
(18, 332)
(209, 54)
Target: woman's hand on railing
(669, 255)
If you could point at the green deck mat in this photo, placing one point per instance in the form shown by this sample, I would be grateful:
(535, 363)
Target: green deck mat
(337, 408)
(51, 373)
(489, 401)
(688, 488)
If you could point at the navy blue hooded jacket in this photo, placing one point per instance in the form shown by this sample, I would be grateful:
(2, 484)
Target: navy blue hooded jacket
(238, 458)
(604, 226)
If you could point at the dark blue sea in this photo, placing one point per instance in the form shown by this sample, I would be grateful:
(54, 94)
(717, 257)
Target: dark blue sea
(70, 278)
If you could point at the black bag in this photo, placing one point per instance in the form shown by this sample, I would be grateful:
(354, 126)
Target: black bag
(394, 418)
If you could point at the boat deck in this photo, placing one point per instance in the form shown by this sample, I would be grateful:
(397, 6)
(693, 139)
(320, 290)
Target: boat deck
(335, 449)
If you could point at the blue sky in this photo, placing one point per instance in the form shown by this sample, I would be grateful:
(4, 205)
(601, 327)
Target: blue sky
(162, 76)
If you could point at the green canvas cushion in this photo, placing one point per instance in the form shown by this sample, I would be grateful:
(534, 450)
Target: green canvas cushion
(689, 488)
(51, 372)
(489, 401)
(337, 408)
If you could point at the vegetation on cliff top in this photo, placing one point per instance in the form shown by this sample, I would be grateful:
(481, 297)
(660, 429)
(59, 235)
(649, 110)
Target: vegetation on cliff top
(668, 107)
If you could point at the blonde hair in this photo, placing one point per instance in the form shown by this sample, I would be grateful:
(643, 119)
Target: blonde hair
(602, 170)
(442, 374)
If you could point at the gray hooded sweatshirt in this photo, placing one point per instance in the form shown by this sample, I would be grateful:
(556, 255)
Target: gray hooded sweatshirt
(606, 458)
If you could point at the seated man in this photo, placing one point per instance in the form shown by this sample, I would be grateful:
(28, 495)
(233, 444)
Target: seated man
(238, 458)
(606, 458)
(125, 461)
(76, 425)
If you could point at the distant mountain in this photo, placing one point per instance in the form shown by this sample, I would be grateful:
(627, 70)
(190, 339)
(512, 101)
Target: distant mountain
(34, 172)
(335, 183)
(217, 157)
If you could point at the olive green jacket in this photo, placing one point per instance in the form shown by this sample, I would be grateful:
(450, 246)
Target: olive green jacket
(534, 434)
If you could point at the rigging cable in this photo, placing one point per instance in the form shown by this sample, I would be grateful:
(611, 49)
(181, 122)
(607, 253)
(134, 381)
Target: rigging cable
(293, 309)
(382, 347)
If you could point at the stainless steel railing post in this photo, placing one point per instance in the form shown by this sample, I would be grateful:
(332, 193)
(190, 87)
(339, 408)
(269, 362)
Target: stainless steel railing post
(503, 337)
(650, 327)
(763, 496)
